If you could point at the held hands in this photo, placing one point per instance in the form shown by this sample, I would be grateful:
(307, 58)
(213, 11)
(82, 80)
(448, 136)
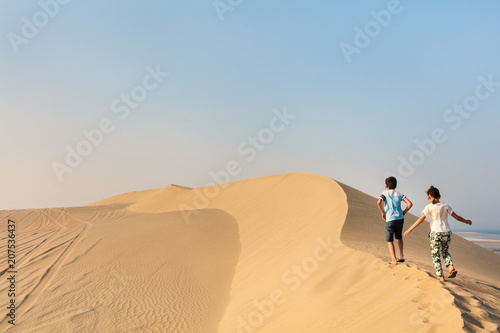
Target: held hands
(407, 232)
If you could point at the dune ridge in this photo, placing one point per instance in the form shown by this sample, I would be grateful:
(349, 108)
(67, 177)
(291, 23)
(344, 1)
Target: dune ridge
(284, 253)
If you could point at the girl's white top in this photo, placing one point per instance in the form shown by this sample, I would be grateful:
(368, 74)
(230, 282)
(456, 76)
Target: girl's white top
(438, 214)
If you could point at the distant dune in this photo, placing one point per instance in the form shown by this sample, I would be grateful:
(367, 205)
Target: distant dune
(284, 253)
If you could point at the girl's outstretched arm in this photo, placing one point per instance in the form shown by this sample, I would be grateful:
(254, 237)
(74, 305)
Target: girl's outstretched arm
(461, 219)
(416, 224)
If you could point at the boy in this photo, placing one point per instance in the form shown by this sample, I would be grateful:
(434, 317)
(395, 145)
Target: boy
(394, 217)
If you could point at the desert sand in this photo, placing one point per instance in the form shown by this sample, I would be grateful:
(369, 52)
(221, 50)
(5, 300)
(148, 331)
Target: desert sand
(284, 253)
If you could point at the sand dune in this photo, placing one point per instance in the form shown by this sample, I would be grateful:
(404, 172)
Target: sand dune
(285, 253)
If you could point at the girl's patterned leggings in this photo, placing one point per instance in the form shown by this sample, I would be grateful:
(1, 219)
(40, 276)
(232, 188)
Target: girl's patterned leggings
(440, 242)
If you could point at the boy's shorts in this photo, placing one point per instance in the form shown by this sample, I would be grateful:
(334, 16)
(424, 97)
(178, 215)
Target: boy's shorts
(394, 227)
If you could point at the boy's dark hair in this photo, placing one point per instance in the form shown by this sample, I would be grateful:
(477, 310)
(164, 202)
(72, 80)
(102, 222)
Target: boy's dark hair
(391, 182)
(434, 194)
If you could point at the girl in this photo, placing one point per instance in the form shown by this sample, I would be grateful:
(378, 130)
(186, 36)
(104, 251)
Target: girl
(440, 235)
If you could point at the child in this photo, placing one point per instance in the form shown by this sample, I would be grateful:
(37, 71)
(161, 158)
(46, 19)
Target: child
(440, 235)
(394, 217)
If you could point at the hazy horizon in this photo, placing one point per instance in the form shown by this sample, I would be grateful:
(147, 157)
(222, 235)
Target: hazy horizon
(99, 99)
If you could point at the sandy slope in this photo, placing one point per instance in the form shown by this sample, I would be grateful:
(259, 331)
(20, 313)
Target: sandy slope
(107, 269)
(475, 290)
(285, 253)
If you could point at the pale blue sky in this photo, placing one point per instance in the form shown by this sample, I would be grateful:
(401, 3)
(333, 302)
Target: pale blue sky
(353, 120)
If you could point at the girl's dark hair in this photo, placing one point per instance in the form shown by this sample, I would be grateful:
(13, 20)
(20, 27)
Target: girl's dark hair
(434, 193)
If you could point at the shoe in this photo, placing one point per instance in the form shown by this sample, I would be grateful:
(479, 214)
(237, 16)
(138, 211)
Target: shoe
(453, 273)
(400, 260)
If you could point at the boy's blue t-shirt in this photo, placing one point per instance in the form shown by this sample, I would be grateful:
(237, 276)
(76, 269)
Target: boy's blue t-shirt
(392, 205)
